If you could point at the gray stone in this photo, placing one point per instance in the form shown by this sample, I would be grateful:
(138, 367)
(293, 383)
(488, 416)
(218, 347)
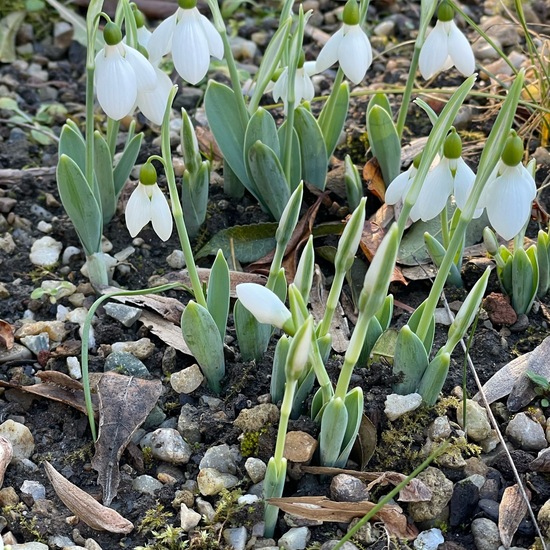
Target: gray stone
(73, 366)
(189, 424)
(205, 508)
(7, 244)
(295, 538)
(124, 362)
(385, 28)
(526, 433)
(440, 429)
(34, 489)
(146, 484)
(60, 541)
(176, 260)
(235, 538)
(187, 380)
(429, 540)
(20, 437)
(16, 353)
(254, 419)
(37, 343)
(168, 445)
(142, 348)
(189, 519)
(347, 488)
(212, 482)
(223, 458)
(155, 418)
(68, 253)
(255, 468)
(330, 544)
(29, 546)
(398, 405)
(478, 427)
(127, 315)
(485, 533)
(45, 252)
(442, 491)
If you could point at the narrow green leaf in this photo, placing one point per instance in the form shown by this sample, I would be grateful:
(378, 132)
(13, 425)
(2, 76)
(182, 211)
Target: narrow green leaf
(80, 204)
(354, 407)
(9, 26)
(333, 117)
(312, 148)
(126, 163)
(295, 155)
(72, 144)
(380, 100)
(277, 387)
(333, 421)
(253, 337)
(414, 320)
(437, 252)
(410, 361)
(217, 295)
(434, 378)
(104, 177)
(202, 337)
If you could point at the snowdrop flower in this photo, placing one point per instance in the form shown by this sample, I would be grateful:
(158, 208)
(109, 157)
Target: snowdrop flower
(152, 103)
(349, 46)
(446, 46)
(303, 86)
(397, 190)
(265, 305)
(121, 71)
(148, 204)
(191, 38)
(510, 191)
(450, 176)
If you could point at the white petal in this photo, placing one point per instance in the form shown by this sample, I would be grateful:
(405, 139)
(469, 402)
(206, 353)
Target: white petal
(215, 43)
(463, 183)
(355, 53)
(264, 304)
(435, 191)
(328, 56)
(434, 51)
(116, 84)
(145, 73)
(143, 36)
(190, 48)
(308, 90)
(153, 103)
(160, 42)
(460, 51)
(398, 188)
(161, 216)
(138, 210)
(280, 87)
(310, 67)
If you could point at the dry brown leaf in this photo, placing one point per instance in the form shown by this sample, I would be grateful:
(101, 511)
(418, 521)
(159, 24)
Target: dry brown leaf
(6, 335)
(6, 454)
(167, 331)
(86, 507)
(57, 387)
(373, 177)
(124, 403)
(323, 509)
(511, 511)
(365, 444)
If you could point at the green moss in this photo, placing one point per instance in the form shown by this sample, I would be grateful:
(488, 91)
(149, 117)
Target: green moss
(250, 442)
(154, 519)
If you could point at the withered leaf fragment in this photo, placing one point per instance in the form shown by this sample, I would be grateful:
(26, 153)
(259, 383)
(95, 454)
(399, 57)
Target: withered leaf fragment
(124, 403)
(6, 454)
(511, 511)
(86, 507)
(6, 335)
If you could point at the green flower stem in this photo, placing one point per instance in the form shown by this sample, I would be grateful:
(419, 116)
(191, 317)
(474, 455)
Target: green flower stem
(444, 227)
(112, 133)
(286, 409)
(383, 501)
(90, 125)
(323, 379)
(85, 338)
(230, 60)
(400, 125)
(177, 210)
(289, 131)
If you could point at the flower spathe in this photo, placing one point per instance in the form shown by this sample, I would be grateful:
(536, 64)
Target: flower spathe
(191, 38)
(264, 304)
(148, 204)
(350, 47)
(508, 197)
(120, 73)
(445, 47)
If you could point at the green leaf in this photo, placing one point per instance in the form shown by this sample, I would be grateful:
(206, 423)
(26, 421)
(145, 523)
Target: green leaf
(410, 360)
(126, 163)
(72, 144)
(437, 252)
(384, 142)
(223, 117)
(434, 378)
(333, 424)
(295, 155)
(312, 148)
(104, 177)
(41, 137)
(303, 390)
(202, 337)
(333, 117)
(194, 198)
(80, 204)
(269, 178)
(247, 242)
(538, 379)
(253, 337)
(354, 407)
(277, 386)
(217, 295)
(9, 26)
(414, 320)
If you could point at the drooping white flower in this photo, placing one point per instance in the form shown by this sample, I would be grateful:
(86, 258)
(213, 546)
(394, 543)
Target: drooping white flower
(508, 195)
(152, 103)
(303, 86)
(397, 190)
(349, 46)
(264, 304)
(445, 47)
(191, 38)
(148, 204)
(120, 72)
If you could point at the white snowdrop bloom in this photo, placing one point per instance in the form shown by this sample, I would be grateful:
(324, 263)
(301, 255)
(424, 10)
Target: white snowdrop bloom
(397, 190)
(445, 47)
(152, 103)
(121, 71)
(148, 204)
(264, 304)
(508, 195)
(191, 38)
(303, 86)
(349, 46)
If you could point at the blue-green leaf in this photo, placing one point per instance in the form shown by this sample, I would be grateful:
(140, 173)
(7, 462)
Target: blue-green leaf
(333, 117)
(333, 427)
(217, 295)
(126, 163)
(104, 177)
(410, 360)
(253, 337)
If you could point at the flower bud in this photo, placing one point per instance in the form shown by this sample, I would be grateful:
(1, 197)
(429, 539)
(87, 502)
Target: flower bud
(138, 16)
(298, 352)
(148, 174)
(513, 150)
(351, 236)
(351, 13)
(490, 241)
(112, 34)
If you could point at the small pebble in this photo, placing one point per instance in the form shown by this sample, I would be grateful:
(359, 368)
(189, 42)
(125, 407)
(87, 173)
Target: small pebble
(20, 438)
(299, 447)
(146, 484)
(34, 489)
(429, 540)
(176, 260)
(486, 534)
(398, 405)
(189, 519)
(127, 315)
(526, 433)
(45, 252)
(223, 458)
(168, 445)
(142, 348)
(122, 361)
(255, 468)
(347, 488)
(16, 353)
(236, 537)
(73, 366)
(212, 482)
(295, 539)
(187, 380)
